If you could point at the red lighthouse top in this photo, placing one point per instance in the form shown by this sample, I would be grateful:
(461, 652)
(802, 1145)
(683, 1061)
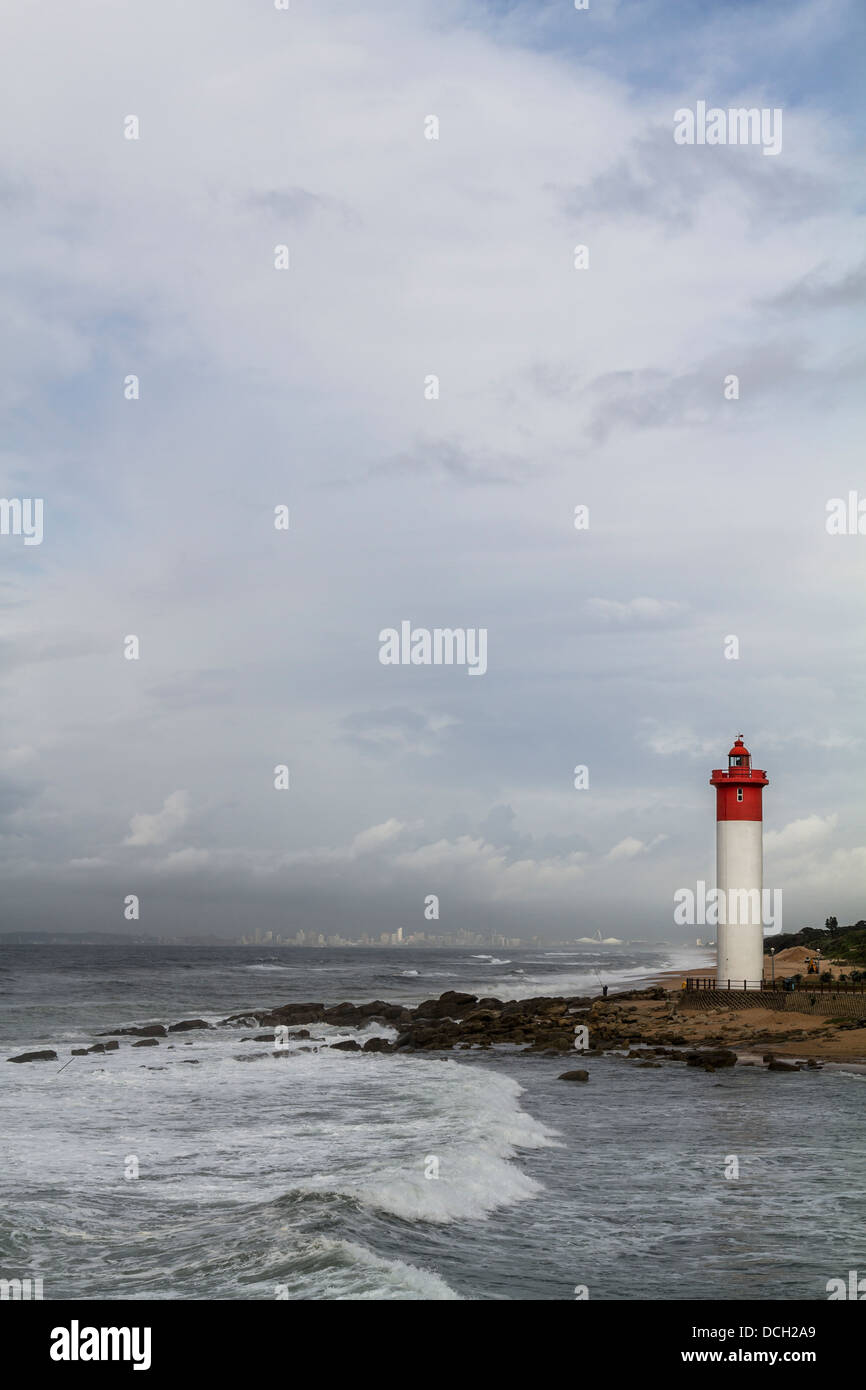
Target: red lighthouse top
(739, 786)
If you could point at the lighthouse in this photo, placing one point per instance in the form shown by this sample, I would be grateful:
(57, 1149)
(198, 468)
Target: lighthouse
(739, 870)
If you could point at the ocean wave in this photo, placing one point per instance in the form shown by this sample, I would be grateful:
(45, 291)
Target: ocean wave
(441, 1178)
(343, 1269)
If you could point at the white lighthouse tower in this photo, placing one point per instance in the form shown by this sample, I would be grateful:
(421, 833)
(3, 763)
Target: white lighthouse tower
(739, 870)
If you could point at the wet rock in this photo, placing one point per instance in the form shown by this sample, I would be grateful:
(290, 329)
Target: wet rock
(147, 1042)
(149, 1030)
(46, 1055)
(377, 1045)
(263, 1037)
(657, 1066)
(348, 1046)
(578, 1075)
(712, 1057)
(287, 1013)
(187, 1024)
(783, 1066)
(451, 1004)
(79, 1052)
(555, 1041)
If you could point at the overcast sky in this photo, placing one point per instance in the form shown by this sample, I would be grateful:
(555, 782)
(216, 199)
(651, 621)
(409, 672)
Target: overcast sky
(306, 387)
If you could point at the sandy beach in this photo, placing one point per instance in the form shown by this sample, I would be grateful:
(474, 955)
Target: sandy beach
(753, 1033)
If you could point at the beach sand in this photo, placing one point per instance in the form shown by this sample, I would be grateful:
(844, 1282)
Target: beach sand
(752, 1033)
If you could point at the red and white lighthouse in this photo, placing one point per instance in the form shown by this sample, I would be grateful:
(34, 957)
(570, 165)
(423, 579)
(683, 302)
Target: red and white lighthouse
(739, 869)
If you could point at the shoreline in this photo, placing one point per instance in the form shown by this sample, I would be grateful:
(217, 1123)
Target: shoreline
(647, 1024)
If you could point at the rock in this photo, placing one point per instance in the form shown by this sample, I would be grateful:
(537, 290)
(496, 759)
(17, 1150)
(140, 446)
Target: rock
(377, 1045)
(641, 1065)
(184, 1061)
(147, 1042)
(187, 1023)
(79, 1052)
(554, 1040)
(97, 1047)
(579, 1075)
(783, 1066)
(712, 1057)
(263, 1037)
(348, 1046)
(112, 1046)
(451, 1004)
(45, 1056)
(150, 1030)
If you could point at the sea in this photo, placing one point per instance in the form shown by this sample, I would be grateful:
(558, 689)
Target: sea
(207, 1168)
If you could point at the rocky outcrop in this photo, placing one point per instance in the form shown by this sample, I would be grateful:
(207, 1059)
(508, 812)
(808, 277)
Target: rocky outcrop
(578, 1075)
(187, 1024)
(147, 1042)
(712, 1057)
(46, 1055)
(148, 1030)
(451, 1004)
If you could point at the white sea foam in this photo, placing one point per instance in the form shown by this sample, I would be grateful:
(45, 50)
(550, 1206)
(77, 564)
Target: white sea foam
(342, 1269)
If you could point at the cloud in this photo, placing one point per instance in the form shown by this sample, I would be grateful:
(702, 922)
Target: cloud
(155, 829)
(559, 387)
(800, 836)
(673, 738)
(631, 847)
(636, 612)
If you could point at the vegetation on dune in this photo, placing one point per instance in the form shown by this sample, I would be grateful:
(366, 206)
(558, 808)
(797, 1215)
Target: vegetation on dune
(836, 943)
